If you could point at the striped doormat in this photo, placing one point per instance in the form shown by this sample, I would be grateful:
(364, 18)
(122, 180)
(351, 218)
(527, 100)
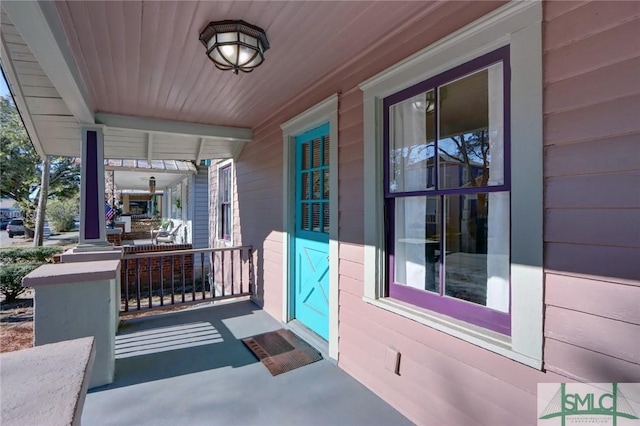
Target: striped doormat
(281, 351)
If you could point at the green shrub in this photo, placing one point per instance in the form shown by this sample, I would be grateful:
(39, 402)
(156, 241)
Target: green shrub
(61, 214)
(11, 276)
(28, 254)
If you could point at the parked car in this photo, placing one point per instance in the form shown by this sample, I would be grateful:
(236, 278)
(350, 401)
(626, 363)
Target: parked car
(15, 227)
(3, 224)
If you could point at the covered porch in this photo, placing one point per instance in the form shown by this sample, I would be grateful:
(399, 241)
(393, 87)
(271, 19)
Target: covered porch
(190, 367)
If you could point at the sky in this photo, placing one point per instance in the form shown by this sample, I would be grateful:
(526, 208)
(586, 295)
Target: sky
(4, 90)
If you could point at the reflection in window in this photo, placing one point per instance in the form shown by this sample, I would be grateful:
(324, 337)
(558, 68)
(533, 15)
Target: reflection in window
(412, 148)
(448, 195)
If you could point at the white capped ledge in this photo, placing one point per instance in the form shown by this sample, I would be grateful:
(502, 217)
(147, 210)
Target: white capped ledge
(69, 273)
(46, 385)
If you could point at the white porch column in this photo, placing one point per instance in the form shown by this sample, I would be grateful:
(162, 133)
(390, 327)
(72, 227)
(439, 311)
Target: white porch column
(93, 233)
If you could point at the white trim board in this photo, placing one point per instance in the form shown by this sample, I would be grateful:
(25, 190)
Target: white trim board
(325, 111)
(39, 28)
(154, 125)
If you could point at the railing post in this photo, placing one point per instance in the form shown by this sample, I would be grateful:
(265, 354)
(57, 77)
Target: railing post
(126, 284)
(222, 269)
(161, 266)
(204, 287)
(138, 283)
(232, 268)
(241, 268)
(150, 282)
(252, 288)
(173, 286)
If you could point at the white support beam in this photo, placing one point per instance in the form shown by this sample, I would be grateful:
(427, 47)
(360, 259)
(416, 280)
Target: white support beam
(18, 96)
(149, 147)
(40, 29)
(200, 150)
(154, 125)
(237, 150)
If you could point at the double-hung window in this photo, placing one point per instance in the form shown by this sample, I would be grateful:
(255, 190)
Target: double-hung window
(453, 206)
(447, 186)
(225, 216)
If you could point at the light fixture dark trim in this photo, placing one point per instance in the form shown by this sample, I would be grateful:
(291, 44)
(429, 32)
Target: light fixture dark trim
(234, 45)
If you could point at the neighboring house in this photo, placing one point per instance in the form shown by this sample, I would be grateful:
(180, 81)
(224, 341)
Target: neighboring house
(450, 301)
(180, 194)
(9, 209)
(186, 202)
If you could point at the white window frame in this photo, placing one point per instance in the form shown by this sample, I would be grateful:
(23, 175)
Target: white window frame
(219, 166)
(517, 24)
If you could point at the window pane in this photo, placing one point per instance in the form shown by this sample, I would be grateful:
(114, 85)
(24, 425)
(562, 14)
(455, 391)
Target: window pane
(477, 249)
(411, 147)
(326, 185)
(305, 186)
(226, 221)
(315, 217)
(327, 151)
(316, 153)
(316, 185)
(306, 163)
(470, 144)
(417, 237)
(325, 218)
(225, 184)
(305, 217)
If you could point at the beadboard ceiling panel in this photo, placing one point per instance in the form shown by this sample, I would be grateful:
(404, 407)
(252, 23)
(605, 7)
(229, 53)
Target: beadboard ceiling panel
(145, 59)
(140, 70)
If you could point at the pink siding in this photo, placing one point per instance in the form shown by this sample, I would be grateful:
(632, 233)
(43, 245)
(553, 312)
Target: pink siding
(592, 208)
(608, 299)
(592, 202)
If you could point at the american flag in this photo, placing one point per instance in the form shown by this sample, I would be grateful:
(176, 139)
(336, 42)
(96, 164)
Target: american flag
(110, 212)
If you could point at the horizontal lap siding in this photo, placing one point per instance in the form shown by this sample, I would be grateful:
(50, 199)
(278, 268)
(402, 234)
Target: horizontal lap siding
(592, 197)
(445, 380)
(201, 209)
(260, 198)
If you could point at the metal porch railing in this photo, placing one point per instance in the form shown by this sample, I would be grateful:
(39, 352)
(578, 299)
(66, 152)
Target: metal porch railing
(160, 279)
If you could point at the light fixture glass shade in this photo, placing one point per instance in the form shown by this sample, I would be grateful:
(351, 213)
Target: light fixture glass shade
(234, 45)
(152, 185)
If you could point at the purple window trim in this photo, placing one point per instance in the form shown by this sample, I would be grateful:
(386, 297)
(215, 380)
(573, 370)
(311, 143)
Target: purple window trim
(460, 309)
(453, 191)
(225, 205)
(91, 204)
(482, 316)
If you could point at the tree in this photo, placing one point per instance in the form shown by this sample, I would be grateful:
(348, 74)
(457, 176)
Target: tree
(22, 167)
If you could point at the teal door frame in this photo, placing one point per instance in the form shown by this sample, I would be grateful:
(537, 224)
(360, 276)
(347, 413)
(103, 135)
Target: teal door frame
(321, 113)
(310, 264)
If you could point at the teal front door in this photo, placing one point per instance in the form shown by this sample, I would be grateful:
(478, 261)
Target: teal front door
(311, 241)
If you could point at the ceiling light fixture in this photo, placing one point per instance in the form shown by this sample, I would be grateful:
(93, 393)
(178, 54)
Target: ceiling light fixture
(234, 45)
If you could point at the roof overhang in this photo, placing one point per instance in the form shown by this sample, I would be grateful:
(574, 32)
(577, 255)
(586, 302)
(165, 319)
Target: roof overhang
(53, 104)
(135, 174)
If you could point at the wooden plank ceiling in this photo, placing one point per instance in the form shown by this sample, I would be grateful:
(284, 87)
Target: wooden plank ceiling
(144, 59)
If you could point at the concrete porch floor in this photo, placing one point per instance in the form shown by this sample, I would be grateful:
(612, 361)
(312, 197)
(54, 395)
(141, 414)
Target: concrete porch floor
(191, 368)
